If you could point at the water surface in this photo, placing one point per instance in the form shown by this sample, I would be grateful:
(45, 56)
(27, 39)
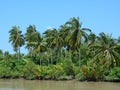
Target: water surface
(21, 84)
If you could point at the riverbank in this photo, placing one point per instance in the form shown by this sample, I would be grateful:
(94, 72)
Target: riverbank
(68, 78)
(61, 71)
(22, 84)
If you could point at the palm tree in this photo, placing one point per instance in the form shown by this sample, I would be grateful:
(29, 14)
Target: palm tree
(16, 38)
(57, 42)
(38, 45)
(92, 38)
(78, 35)
(65, 35)
(6, 55)
(48, 37)
(105, 50)
(54, 40)
(30, 37)
(118, 42)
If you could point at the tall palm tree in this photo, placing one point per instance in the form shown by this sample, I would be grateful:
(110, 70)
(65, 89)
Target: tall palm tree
(16, 38)
(78, 35)
(65, 35)
(38, 45)
(30, 37)
(48, 37)
(92, 39)
(57, 42)
(54, 40)
(105, 50)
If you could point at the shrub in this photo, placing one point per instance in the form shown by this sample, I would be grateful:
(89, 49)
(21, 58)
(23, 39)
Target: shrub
(29, 70)
(114, 75)
(93, 71)
(69, 67)
(15, 74)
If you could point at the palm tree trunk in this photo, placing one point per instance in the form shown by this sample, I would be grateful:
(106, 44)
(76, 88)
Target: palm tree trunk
(40, 58)
(70, 53)
(30, 52)
(40, 61)
(18, 53)
(48, 61)
(65, 54)
(79, 57)
(51, 57)
(58, 54)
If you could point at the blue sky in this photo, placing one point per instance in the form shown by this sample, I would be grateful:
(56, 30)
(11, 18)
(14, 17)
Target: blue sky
(98, 15)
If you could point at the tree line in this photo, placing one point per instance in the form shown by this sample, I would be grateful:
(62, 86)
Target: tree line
(94, 55)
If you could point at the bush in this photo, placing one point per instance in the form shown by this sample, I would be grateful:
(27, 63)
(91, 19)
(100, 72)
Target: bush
(11, 68)
(29, 70)
(50, 72)
(69, 67)
(114, 75)
(59, 71)
(15, 74)
(93, 71)
(4, 72)
(77, 70)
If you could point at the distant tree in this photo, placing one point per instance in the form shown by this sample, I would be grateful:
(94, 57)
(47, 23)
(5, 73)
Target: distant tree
(17, 39)
(30, 37)
(54, 40)
(1, 54)
(38, 45)
(92, 38)
(6, 55)
(48, 37)
(105, 50)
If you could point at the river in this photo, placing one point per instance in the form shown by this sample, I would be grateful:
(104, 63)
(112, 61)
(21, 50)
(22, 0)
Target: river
(21, 84)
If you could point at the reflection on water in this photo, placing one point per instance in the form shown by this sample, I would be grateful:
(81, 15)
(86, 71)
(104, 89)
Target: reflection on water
(21, 84)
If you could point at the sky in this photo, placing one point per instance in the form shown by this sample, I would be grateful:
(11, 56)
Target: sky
(98, 15)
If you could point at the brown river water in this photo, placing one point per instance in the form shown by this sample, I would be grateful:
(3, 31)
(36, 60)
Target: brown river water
(21, 84)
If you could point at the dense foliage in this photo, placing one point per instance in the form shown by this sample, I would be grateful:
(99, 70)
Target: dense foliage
(65, 53)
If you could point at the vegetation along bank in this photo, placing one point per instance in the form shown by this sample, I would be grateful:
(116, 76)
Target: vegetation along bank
(69, 52)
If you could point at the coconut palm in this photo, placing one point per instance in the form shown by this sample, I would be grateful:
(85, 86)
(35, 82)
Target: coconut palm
(105, 50)
(92, 38)
(57, 42)
(48, 37)
(29, 37)
(65, 35)
(38, 45)
(78, 35)
(54, 40)
(118, 42)
(16, 38)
